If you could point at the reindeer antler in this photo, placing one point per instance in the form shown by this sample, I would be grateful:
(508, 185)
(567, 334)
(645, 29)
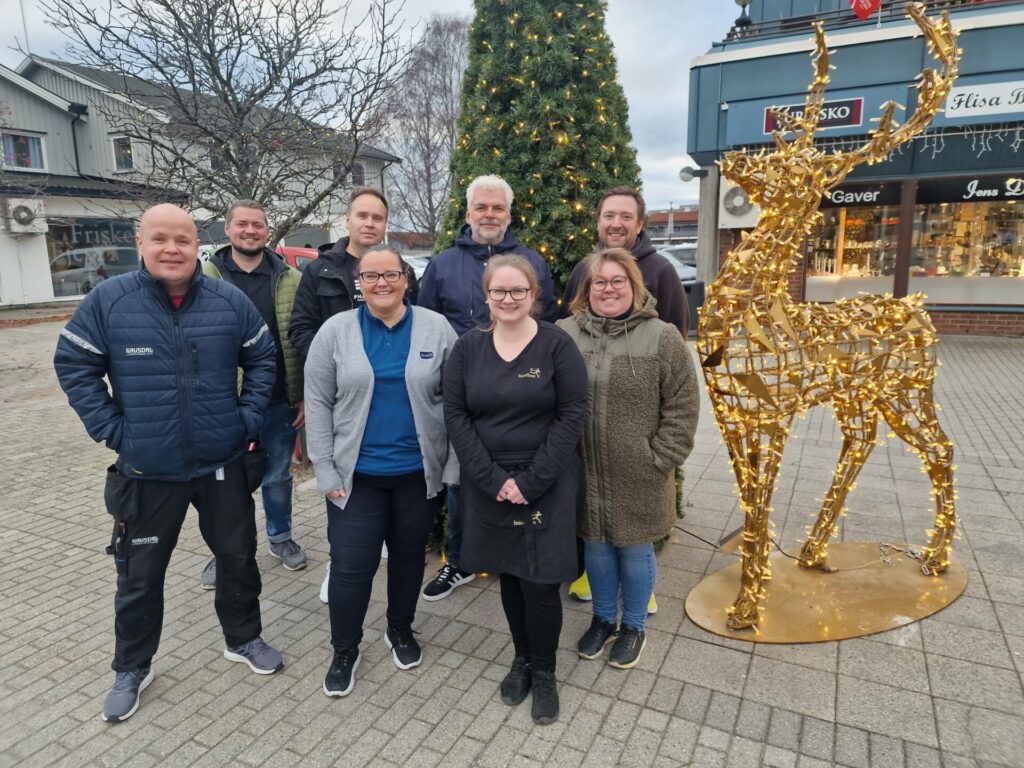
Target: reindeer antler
(933, 88)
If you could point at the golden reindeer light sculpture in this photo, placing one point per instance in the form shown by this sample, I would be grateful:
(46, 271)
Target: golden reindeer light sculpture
(766, 358)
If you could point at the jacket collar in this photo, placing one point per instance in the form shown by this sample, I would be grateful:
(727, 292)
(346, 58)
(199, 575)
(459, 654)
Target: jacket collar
(156, 287)
(481, 251)
(595, 325)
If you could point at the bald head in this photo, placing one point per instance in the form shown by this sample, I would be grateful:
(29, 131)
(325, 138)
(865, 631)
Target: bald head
(169, 246)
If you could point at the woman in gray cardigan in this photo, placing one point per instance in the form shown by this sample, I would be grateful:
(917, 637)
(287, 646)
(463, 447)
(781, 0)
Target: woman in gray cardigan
(376, 436)
(642, 417)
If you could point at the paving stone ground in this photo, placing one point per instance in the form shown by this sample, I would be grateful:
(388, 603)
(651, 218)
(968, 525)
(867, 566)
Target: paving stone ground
(946, 691)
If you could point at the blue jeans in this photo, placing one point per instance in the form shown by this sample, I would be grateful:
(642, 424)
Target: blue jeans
(453, 544)
(278, 436)
(631, 568)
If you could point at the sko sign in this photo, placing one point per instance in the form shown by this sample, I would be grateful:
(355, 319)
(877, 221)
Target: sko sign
(834, 114)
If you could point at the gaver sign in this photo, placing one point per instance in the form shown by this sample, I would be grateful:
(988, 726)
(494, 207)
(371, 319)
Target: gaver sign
(847, 113)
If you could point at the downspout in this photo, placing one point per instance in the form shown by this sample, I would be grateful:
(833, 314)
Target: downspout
(78, 111)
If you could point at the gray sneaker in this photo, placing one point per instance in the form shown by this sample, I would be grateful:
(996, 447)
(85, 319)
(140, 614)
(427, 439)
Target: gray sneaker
(208, 578)
(261, 658)
(123, 699)
(289, 553)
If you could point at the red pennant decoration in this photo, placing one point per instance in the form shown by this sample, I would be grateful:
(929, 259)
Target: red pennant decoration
(864, 8)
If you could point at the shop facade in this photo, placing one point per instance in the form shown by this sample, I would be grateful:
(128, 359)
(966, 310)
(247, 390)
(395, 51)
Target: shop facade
(942, 216)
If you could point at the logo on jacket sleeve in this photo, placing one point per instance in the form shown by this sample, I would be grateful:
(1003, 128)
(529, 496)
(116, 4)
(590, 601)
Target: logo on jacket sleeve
(426, 355)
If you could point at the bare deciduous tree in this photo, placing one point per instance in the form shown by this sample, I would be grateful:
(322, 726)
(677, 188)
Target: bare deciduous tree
(258, 99)
(424, 115)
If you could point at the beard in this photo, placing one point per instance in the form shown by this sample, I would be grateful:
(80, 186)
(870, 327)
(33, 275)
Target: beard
(250, 251)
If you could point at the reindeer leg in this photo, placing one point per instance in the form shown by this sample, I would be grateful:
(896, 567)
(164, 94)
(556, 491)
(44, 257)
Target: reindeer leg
(915, 421)
(756, 466)
(858, 423)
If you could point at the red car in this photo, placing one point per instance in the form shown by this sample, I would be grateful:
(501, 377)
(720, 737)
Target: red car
(297, 258)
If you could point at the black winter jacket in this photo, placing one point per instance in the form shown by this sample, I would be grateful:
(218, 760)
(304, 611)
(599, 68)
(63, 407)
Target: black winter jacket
(328, 287)
(453, 281)
(175, 411)
(661, 280)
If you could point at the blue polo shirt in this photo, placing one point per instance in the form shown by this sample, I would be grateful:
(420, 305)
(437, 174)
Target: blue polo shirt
(389, 446)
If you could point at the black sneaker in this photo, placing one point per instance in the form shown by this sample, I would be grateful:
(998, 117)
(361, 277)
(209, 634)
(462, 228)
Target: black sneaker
(594, 640)
(123, 699)
(516, 684)
(403, 646)
(341, 675)
(545, 698)
(627, 649)
(447, 579)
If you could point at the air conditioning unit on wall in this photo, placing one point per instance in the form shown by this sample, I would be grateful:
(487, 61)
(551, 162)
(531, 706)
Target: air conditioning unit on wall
(735, 209)
(25, 216)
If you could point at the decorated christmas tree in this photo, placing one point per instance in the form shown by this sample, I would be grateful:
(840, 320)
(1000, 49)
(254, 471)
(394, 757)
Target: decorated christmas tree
(542, 107)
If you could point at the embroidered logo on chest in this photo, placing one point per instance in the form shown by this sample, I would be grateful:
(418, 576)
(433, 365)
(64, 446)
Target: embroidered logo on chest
(533, 373)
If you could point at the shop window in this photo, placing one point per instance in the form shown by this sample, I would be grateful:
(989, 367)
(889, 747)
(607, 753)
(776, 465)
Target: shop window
(852, 251)
(85, 252)
(23, 152)
(123, 159)
(968, 252)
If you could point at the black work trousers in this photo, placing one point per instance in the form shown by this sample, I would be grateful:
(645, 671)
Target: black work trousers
(393, 509)
(534, 613)
(148, 515)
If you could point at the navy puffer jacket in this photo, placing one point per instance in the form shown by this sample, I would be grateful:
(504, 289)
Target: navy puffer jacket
(452, 284)
(175, 412)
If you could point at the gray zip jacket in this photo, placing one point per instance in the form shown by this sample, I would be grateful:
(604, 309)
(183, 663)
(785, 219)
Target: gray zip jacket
(339, 388)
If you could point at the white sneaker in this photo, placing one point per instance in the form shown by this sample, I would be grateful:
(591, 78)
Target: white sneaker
(327, 580)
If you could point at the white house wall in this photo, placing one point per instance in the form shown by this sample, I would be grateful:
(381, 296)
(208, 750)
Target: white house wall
(23, 111)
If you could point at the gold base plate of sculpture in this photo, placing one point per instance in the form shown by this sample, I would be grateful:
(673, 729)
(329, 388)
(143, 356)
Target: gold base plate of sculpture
(807, 605)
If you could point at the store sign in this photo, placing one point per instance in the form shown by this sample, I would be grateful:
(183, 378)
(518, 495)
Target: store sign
(968, 189)
(987, 99)
(849, 195)
(847, 113)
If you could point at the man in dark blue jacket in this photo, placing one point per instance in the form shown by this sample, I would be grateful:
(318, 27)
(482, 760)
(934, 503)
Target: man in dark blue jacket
(453, 286)
(170, 341)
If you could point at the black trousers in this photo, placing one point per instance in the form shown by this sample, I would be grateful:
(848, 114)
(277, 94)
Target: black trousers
(534, 613)
(393, 509)
(148, 515)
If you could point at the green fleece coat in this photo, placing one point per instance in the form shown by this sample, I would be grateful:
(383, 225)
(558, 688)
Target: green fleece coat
(642, 417)
(286, 283)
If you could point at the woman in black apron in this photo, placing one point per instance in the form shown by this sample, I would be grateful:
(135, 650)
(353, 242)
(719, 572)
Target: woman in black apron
(515, 401)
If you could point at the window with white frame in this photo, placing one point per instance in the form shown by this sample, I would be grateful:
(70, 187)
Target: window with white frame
(23, 152)
(123, 158)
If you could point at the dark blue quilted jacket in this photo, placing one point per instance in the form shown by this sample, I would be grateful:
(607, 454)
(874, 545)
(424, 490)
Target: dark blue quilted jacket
(175, 412)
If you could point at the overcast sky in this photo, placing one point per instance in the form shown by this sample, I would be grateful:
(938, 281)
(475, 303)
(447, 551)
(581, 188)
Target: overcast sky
(655, 40)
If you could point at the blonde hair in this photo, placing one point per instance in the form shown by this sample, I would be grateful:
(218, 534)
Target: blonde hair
(521, 263)
(592, 265)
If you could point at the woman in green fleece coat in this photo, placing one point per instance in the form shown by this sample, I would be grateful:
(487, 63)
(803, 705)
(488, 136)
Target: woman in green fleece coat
(642, 417)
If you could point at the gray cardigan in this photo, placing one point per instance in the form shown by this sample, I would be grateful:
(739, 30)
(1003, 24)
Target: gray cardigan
(339, 388)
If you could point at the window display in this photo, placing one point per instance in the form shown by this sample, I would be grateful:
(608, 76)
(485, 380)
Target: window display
(852, 251)
(968, 240)
(84, 252)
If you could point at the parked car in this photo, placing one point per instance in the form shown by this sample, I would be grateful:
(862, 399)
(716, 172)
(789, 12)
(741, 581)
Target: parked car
(79, 270)
(418, 264)
(297, 258)
(686, 271)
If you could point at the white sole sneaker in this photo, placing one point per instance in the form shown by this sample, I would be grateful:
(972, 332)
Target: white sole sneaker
(324, 586)
(230, 656)
(394, 655)
(138, 700)
(351, 682)
(457, 583)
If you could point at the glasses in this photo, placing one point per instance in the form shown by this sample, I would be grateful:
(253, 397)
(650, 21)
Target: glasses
(391, 276)
(499, 294)
(618, 283)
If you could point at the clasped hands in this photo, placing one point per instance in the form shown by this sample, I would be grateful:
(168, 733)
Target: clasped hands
(510, 492)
